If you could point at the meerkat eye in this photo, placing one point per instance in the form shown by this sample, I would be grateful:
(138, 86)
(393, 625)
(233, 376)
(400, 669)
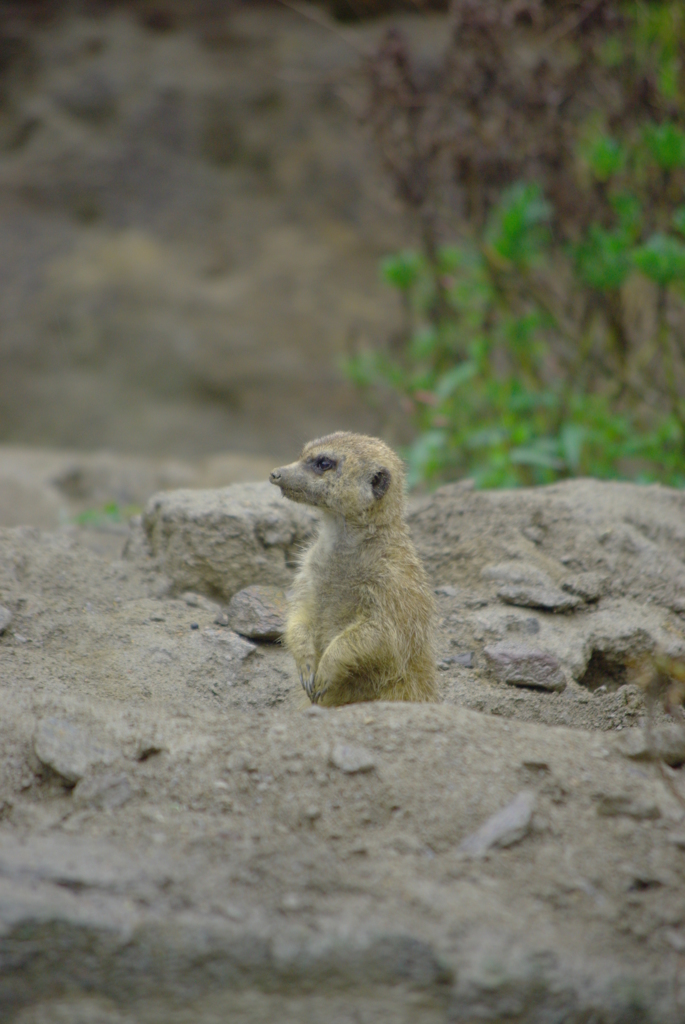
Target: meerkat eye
(380, 482)
(322, 463)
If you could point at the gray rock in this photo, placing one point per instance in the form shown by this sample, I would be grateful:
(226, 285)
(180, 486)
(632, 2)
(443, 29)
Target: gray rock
(528, 586)
(352, 759)
(5, 618)
(258, 612)
(219, 542)
(520, 665)
(231, 645)
(104, 793)
(464, 658)
(588, 585)
(93, 97)
(549, 598)
(504, 828)
(514, 624)
(664, 741)
(200, 601)
(516, 572)
(68, 750)
(611, 805)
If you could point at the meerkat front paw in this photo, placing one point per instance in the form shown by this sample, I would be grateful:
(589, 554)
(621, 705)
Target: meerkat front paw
(307, 676)
(320, 686)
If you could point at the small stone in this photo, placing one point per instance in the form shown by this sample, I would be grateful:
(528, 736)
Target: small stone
(588, 585)
(291, 902)
(447, 591)
(516, 572)
(667, 743)
(549, 598)
(611, 805)
(312, 812)
(506, 827)
(676, 939)
(407, 844)
(222, 619)
(519, 665)
(258, 612)
(105, 793)
(464, 658)
(68, 750)
(232, 645)
(518, 625)
(5, 618)
(194, 625)
(352, 759)
(194, 600)
(528, 586)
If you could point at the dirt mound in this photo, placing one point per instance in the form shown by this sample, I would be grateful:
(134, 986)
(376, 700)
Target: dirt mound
(197, 844)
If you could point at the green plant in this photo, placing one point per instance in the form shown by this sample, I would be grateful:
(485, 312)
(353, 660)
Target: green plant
(108, 514)
(548, 341)
(502, 385)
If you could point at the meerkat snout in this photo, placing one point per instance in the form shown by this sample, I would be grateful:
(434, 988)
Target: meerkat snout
(361, 617)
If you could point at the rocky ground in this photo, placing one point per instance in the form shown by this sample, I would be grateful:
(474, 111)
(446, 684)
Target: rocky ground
(183, 840)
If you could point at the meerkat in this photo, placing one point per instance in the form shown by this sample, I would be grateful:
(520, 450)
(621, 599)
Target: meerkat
(361, 615)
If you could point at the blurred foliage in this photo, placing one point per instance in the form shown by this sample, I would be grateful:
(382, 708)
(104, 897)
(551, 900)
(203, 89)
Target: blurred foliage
(109, 514)
(518, 363)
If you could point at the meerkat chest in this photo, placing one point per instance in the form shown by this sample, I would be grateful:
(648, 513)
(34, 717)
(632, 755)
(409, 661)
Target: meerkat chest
(340, 571)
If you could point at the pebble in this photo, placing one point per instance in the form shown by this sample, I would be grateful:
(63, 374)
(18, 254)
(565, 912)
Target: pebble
(105, 793)
(528, 586)
(5, 618)
(667, 742)
(520, 665)
(504, 828)
(465, 659)
(194, 600)
(550, 598)
(352, 759)
(611, 805)
(68, 750)
(233, 646)
(588, 585)
(258, 612)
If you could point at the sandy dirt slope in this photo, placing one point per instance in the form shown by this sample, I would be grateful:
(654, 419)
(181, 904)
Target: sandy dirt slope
(181, 839)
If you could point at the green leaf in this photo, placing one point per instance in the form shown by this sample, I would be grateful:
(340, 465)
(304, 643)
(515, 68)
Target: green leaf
(606, 156)
(543, 454)
(679, 220)
(662, 258)
(629, 213)
(516, 228)
(454, 378)
(452, 258)
(666, 143)
(424, 343)
(402, 269)
(603, 259)
(571, 440)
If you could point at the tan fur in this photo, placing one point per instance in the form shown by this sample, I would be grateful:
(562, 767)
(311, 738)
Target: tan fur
(360, 621)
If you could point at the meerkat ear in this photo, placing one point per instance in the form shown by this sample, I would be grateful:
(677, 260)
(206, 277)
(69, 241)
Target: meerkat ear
(380, 481)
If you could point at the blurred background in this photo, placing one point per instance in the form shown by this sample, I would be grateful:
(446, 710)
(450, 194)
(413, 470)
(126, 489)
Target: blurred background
(228, 227)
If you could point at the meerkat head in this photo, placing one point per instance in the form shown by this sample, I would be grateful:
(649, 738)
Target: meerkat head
(359, 478)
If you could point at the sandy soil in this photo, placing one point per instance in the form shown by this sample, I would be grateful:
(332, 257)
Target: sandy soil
(181, 839)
